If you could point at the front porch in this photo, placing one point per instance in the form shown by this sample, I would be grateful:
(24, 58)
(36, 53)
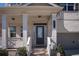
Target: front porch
(30, 27)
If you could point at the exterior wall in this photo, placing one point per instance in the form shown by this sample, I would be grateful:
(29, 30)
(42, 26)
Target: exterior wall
(0, 25)
(68, 30)
(18, 41)
(0, 31)
(17, 22)
(69, 40)
(73, 15)
(69, 23)
(36, 19)
(67, 26)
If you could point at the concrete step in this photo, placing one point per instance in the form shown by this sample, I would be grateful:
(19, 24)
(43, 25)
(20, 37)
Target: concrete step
(12, 52)
(39, 52)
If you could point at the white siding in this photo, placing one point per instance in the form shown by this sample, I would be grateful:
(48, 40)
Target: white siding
(71, 15)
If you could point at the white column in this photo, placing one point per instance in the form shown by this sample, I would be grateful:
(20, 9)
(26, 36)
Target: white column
(4, 37)
(54, 31)
(25, 28)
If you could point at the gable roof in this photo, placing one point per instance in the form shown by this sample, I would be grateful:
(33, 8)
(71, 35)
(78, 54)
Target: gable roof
(40, 4)
(29, 8)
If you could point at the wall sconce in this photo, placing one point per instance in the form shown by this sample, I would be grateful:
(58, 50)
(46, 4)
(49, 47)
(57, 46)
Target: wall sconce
(12, 21)
(13, 18)
(39, 16)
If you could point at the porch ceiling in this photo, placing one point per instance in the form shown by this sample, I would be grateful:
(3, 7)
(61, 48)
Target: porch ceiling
(31, 10)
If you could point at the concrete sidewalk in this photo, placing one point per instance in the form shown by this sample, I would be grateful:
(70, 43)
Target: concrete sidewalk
(74, 52)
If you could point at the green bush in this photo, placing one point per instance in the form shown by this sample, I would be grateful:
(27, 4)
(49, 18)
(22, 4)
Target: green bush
(3, 52)
(60, 49)
(22, 51)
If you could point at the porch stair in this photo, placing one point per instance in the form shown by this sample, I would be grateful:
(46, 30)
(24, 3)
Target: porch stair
(39, 52)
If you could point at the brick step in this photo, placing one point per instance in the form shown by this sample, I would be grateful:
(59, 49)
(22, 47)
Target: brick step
(39, 52)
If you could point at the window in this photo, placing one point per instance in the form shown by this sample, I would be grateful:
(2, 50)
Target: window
(62, 5)
(21, 31)
(54, 24)
(12, 31)
(76, 7)
(70, 6)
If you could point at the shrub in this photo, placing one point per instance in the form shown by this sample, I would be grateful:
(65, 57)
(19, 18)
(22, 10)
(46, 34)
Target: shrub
(60, 49)
(3, 52)
(22, 51)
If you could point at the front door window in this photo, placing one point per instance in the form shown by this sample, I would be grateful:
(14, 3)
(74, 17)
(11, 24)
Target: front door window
(40, 31)
(39, 34)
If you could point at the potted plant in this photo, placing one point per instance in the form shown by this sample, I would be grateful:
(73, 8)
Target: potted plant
(22, 51)
(60, 50)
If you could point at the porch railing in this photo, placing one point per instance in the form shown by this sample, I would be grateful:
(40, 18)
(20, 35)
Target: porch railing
(29, 46)
(14, 42)
(48, 45)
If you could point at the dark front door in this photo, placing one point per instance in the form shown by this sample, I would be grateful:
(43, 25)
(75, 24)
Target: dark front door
(39, 35)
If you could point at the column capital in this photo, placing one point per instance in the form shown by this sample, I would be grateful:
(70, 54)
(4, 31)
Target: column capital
(25, 14)
(54, 14)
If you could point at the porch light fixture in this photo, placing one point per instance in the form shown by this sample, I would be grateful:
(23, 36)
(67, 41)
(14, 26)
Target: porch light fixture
(39, 16)
(13, 18)
(12, 21)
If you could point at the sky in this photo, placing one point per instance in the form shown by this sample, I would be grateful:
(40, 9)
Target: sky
(2, 4)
